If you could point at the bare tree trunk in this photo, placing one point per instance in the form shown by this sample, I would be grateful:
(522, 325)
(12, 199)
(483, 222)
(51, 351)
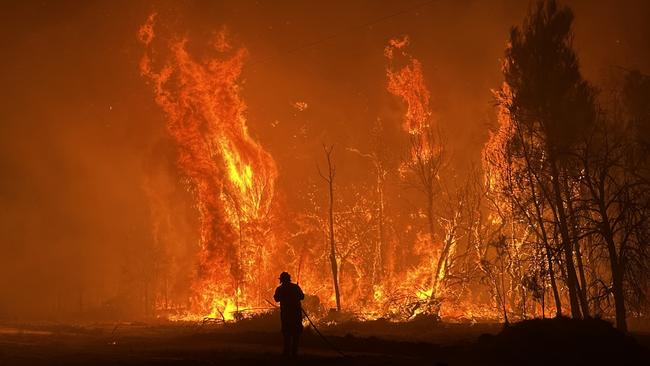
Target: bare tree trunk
(616, 269)
(382, 235)
(543, 300)
(551, 274)
(238, 280)
(333, 249)
(440, 267)
(617, 279)
(582, 287)
(503, 291)
(572, 278)
(426, 161)
(547, 249)
(601, 177)
(380, 250)
(583, 281)
(434, 275)
(450, 238)
(330, 182)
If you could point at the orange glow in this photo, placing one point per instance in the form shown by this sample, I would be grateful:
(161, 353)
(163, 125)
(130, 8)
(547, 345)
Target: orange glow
(407, 82)
(455, 234)
(231, 176)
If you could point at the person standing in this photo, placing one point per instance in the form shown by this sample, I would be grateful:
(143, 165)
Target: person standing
(289, 295)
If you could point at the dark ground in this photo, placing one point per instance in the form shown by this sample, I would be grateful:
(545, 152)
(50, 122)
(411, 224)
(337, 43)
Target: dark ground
(536, 342)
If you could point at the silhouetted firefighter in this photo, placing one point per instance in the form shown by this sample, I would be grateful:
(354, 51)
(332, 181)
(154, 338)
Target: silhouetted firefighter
(289, 295)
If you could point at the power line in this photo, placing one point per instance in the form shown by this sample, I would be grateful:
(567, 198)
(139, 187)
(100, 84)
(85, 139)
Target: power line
(343, 32)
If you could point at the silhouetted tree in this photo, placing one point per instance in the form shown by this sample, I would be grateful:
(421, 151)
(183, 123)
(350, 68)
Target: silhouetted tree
(616, 192)
(329, 179)
(544, 94)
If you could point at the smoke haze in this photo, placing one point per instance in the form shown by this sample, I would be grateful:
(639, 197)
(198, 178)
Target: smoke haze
(82, 141)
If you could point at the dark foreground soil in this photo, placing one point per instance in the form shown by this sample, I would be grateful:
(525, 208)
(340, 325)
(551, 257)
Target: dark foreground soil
(535, 342)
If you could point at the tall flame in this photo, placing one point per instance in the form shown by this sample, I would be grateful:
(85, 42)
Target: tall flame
(230, 175)
(407, 83)
(405, 79)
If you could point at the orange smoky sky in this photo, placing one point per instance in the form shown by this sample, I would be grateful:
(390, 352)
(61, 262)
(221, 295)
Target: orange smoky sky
(82, 139)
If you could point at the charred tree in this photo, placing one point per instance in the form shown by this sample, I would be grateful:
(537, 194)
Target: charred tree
(425, 164)
(618, 202)
(603, 196)
(545, 93)
(329, 179)
(543, 235)
(575, 235)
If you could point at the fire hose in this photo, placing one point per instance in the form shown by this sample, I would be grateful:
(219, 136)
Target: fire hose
(317, 331)
(322, 336)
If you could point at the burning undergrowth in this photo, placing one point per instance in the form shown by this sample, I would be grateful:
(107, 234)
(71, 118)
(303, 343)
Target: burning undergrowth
(416, 236)
(232, 179)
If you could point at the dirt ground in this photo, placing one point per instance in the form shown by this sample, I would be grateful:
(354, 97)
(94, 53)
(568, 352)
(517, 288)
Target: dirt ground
(369, 343)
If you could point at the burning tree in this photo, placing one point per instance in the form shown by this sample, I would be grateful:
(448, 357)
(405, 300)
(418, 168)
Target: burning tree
(548, 105)
(422, 166)
(515, 193)
(566, 171)
(426, 170)
(561, 205)
(378, 158)
(329, 179)
(231, 176)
